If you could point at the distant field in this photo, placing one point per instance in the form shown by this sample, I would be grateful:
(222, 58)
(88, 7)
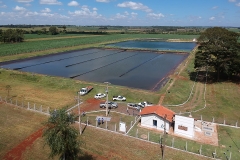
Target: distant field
(36, 36)
(34, 46)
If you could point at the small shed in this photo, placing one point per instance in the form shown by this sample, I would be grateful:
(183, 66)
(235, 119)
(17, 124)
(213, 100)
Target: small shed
(184, 126)
(156, 117)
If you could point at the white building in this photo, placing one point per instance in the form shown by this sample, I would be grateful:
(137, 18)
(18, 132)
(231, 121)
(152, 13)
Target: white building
(154, 117)
(184, 126)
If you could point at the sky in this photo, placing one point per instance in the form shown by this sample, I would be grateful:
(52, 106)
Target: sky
(121, 12)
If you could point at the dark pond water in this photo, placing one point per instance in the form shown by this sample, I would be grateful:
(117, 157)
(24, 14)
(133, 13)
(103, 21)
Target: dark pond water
(157, 45)
(136, 69)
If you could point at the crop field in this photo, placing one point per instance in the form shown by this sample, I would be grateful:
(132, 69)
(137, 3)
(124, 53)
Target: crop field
(34, 46)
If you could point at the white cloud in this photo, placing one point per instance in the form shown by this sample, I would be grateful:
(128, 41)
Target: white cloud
(104, 1)
(155, 16)
(85, 12)
(24, 1)
(238, 4)
(134, 6)
(46, 10)
(212, 18)
(50, 2)
(120, 16)
(215, 7)
(73, 3)
(27, 4)
(3, 6)
(126, 13)
(17, 8)
(134, 14)
(232, 0)
(94, 9)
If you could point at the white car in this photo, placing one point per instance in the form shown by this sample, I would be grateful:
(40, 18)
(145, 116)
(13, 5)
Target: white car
(100, 95)
(144, 104)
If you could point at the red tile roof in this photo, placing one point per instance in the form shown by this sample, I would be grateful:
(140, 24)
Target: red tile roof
(158, 110)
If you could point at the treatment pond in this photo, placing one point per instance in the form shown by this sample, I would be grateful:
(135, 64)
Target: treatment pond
(135, 69)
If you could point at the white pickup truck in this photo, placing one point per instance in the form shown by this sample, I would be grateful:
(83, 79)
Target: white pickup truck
(119, 98)
(85, 90)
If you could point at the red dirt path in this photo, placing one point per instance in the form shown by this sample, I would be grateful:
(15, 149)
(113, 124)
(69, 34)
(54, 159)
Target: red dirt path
(16, 153)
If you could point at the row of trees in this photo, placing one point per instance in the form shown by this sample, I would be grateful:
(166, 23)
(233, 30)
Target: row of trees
(11, 35)
(219, 50)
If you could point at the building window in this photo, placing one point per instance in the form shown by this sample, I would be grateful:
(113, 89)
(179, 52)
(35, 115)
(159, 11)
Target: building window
(155, 123)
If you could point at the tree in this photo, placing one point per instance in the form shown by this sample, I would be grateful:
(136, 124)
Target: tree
(219, 50)
(53, 30)
(60, 136)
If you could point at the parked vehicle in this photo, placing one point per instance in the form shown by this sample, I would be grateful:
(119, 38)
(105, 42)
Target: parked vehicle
(85, 90)
(110, 105)
(119, 98)
(100, 95)
(144, 104)
(133, 105)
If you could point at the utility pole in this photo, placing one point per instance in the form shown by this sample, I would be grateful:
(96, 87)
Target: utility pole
(164, 136)
(79, 116)
(107, 98)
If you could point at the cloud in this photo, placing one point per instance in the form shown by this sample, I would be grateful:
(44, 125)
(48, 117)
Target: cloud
(73, 3)
(17, 8)
(46, 10)
(134, 6)
(120, 16)
(50, 2)
(104, 1)
(238, 4)
(126, 13)
(95, 9)
(155, 16)
(212, 18)
(24, 1)
(232, 0)
(215, 7)
(85, 12)
(3, 6)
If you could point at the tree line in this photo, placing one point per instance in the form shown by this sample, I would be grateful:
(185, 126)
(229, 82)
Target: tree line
(11, 35)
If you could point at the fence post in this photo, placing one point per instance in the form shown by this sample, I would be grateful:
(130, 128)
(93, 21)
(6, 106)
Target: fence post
(160, 139)
(172, 142)
(237, 124)
(137, 133)
(87, 121)
(224, 122)
(41, 108)
(115, 127)
(148, 136)
(230, 156)
(131, 123)
(34, 107)
(16, 102)
(28, 105)
(212, 119)
(201, 117)
(135, 119)
(11, 101)
(200, 151)
(186, 145)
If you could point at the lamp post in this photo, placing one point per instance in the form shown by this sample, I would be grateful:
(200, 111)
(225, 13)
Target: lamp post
(79, 116)
(107, 98)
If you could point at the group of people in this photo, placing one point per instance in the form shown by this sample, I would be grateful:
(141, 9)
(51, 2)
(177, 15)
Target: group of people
(100, 121)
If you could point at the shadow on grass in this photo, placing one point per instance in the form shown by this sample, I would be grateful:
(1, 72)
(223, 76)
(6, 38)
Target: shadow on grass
(212, 77)
(86, 156)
